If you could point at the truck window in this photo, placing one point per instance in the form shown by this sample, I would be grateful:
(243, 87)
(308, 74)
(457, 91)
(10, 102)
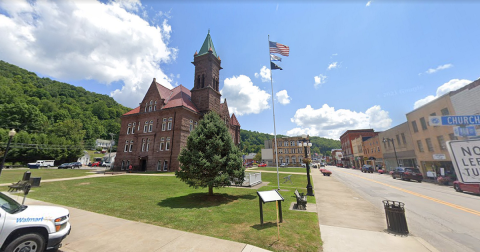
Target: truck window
(8, 204)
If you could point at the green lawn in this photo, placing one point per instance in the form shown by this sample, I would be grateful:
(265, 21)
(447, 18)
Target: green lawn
(15, 175)
(299, 169)
(232, 213)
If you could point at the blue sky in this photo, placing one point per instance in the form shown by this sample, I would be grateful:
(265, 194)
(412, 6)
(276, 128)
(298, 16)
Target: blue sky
(352, 64)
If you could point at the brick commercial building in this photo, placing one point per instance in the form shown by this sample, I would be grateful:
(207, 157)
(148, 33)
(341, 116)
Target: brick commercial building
(153, 134)
(346, 141)
(289, 151)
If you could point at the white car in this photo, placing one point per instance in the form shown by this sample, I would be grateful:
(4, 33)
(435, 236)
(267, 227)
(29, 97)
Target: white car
(283, 165)
(31, 228)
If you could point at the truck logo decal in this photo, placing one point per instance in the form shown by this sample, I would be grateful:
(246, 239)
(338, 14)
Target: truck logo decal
(29, 219)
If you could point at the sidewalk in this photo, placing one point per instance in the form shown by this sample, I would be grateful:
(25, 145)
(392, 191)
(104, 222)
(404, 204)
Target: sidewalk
(350, 223)
(98, 232)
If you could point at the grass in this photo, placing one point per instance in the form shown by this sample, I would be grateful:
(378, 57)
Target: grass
(15, 175)
(232, 213)
(299, 169)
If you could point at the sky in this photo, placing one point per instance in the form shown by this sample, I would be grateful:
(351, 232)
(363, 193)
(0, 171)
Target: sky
(352, 64)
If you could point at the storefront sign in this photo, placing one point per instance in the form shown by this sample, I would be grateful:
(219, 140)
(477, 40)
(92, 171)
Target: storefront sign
(466, 160)
(439, 157)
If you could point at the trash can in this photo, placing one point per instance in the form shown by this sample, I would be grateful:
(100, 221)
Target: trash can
(26, 176)
(35, 181)
(395, 214)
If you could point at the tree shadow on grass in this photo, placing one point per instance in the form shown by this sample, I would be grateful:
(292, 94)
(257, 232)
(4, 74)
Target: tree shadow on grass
(201, 200)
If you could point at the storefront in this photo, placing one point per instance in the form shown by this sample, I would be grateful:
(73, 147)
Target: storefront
(433, 169)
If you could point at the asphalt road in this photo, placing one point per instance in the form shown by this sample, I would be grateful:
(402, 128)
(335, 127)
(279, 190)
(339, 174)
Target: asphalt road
(448, 220)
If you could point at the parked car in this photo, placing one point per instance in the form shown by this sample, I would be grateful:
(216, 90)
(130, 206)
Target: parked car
(65, 166)
(106, 164)
(367, 169)
(460, 187)
(407, 173)
(76, 165)
(283, 165)
(262, 165)
(322, 164)
(339, 165)
(96, 164)
(381, 171)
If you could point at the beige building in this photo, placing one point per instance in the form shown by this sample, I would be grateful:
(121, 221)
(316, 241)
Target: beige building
(357, 150)
(372, 152)
(430, 141)
(289, 150)
(404, 151)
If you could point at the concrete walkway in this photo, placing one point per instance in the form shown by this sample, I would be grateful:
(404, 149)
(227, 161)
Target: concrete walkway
(98, 232)
(350, 223)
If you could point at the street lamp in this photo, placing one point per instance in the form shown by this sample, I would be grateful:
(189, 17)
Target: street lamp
(11, 134)
(394, 150)
(306, 143)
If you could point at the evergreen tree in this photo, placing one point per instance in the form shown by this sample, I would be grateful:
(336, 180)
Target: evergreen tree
(210, 158)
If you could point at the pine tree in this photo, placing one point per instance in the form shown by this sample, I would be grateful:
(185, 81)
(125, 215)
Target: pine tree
(210, 158)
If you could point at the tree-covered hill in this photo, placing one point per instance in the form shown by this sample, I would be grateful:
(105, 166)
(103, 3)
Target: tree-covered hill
(49, 112)
(253, 142)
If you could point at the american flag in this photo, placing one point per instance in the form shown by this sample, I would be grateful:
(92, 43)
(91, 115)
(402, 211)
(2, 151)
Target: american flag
(279, 48)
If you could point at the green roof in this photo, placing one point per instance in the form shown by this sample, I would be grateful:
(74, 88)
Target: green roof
(207, 44)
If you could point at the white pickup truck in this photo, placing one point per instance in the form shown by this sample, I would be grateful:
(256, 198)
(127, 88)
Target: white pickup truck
(31, 228)
(43, 163)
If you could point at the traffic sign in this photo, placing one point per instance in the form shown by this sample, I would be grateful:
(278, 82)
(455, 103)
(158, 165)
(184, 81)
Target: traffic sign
(464, 131)
(454, 120)
(466, 160)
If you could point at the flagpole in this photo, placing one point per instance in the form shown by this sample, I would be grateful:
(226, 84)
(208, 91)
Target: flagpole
(273, 105)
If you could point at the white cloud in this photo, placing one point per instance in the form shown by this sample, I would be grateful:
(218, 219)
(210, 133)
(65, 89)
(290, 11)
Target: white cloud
(283, 97)
(332, 66)
(264, 74)
(442, 67)
(243, 97)
(368, 3)
(452, 85)
(330, 123)
(319, 80)
(75, 40)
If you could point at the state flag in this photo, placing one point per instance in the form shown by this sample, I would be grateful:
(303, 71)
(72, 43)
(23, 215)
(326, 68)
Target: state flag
(274, 66)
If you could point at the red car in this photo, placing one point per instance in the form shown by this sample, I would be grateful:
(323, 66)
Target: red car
(460, 187)
(95, 164)
(325, 172)
(262, 165)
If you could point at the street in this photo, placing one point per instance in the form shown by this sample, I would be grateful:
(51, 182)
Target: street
(446, 219)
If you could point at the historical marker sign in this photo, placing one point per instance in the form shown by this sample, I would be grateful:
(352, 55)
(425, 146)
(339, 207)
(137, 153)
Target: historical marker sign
(466, 160)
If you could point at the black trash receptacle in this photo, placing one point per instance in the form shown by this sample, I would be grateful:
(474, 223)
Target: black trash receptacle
(26, 176)
(35, 181)
(395, 214)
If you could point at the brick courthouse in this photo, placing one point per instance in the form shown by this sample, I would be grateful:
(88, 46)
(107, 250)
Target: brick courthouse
(152, 135)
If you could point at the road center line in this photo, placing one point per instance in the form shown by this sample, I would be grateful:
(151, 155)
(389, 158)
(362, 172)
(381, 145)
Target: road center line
(468, 210)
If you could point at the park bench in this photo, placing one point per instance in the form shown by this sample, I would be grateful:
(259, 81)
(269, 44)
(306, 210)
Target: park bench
(301, 200)
(288, 178)
(20, 185)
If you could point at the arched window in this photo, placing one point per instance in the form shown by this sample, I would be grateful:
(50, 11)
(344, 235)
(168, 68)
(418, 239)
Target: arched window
(128, 129)
(133, 128)
(203, 80)
(293, 160)
(287, 159)
(131, 146)
(169, 126)
(164, 124)
(159, 165)
(143, 145)
(198, 81)
(126, 146)
(148, 144)
(167, 144)
(191, 125)
(145, 127)
(162, 143)
(150, 126)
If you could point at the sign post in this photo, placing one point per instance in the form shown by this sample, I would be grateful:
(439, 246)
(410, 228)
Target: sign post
(466, 160)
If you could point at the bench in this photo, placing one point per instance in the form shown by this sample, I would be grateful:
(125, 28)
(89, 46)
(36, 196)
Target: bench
(17, 186)
(288, 178)
(301, 200)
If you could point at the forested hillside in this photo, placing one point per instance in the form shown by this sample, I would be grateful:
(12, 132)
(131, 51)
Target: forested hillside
(253, 142)
(47, 112)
